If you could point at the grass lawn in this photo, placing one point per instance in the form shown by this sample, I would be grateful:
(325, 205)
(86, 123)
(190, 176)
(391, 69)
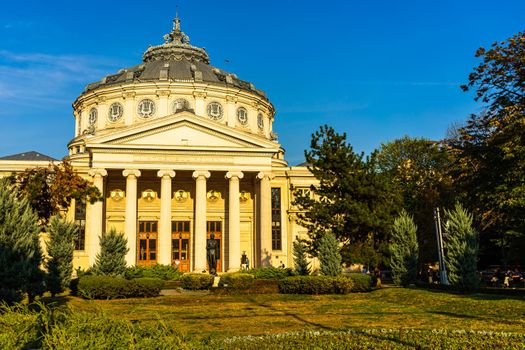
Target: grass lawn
(205, 314)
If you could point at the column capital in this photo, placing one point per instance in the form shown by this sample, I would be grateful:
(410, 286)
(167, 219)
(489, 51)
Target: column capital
(234, 174)
(198, 173)
(131, 172)
(261, 175)
(98, 172)
(166, 172)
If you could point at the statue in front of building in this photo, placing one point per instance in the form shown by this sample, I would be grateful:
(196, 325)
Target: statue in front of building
(212, 252)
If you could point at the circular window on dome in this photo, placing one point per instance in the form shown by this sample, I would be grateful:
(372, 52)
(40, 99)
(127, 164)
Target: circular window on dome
(146, 108)
(215, 110)
(92, 116)
(115, 112)
(180, 105)
(260, 121)
(242, 115)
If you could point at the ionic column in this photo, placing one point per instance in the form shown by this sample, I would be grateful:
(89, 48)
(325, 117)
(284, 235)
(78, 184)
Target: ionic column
(131, 176)
(234, 218)
(165, 216)
(199, 263)
(265, 218)
(96, 217)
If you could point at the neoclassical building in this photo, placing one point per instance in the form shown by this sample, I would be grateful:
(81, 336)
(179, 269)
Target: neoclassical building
(181, 150)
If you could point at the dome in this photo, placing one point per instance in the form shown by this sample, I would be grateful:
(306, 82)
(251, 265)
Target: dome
(175, 60)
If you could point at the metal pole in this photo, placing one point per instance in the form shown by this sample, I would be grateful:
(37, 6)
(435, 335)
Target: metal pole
(441, 254)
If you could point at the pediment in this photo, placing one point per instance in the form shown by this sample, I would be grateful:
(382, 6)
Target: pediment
(182, 131)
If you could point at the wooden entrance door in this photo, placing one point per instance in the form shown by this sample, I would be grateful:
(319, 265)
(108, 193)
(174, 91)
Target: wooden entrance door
(215, 227)
(147, 243)
(180, 245)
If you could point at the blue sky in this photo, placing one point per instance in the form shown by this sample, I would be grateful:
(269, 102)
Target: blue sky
(377, 70)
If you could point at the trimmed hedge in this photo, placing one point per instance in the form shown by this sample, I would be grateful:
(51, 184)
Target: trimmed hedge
(236, 280)
(106, 287)
(164, 272)
(196, 281)
(362, 282)
(315, 285)
(271, 273)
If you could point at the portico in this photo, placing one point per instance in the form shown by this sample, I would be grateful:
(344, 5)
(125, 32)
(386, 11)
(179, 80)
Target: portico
(156, 205)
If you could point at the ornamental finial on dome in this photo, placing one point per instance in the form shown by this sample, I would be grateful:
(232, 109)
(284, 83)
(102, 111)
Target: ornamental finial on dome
(176, 36)
(176, 47)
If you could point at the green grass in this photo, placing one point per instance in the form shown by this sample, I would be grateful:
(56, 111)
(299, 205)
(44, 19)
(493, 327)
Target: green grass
(205, 315)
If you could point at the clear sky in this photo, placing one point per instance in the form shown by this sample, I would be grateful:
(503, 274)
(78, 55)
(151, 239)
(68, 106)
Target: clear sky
(377, 70)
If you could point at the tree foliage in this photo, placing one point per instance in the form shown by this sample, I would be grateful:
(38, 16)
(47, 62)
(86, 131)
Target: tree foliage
(111, 260)
(20, 252)
(302, 266)
(352, 200)
(329, 255)
(490, 149)
(404, 250)
(420, 170)
(60, 247)
(462, 249)
(51, 189)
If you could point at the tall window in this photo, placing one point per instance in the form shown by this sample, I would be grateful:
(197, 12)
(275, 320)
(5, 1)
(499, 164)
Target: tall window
(80, 220)
(276, 219)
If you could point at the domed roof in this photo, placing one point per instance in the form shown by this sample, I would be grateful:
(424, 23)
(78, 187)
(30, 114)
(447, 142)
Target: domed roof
(178, 61)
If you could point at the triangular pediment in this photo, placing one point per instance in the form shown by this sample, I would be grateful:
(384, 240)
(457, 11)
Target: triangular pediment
(183, 130)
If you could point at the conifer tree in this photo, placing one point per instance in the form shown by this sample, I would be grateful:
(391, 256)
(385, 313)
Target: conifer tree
(302, 266)
(111, 261)
(329, 255)
(60, 247)
(20, 252)
(462, 249)
(404, 250)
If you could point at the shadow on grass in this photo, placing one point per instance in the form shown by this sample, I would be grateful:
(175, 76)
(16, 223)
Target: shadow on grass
(477, 295)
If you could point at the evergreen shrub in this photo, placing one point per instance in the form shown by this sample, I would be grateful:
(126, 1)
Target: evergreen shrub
(270, 273)
(404, 250)
(236, 280)
(316, 285)
(60, 247)
(196, 281)
(164, 272)
(20, 251)
(111, 261)
(329, 256)
(301, 265)
(107, 287)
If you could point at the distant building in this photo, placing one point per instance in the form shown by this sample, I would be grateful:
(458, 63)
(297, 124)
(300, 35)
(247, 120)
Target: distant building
(180, 150)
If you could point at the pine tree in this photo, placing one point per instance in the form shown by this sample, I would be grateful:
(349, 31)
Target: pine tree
(404, 250)
(60, 247)
(462, 249)
(20, 251)
(111, 261)
(302, 266)
(329, 255)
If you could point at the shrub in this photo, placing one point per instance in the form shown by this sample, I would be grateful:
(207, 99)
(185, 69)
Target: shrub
(60, 247)
(236, 280)
(196, 281)
(20, 252)
(270, 273)
(111, 261)
(343, 285)
(306, 285)
(404, 250)
(164, 272)
(107, 287)
(462, 249)
(329, 255)
(360, 282)
(302, 266)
